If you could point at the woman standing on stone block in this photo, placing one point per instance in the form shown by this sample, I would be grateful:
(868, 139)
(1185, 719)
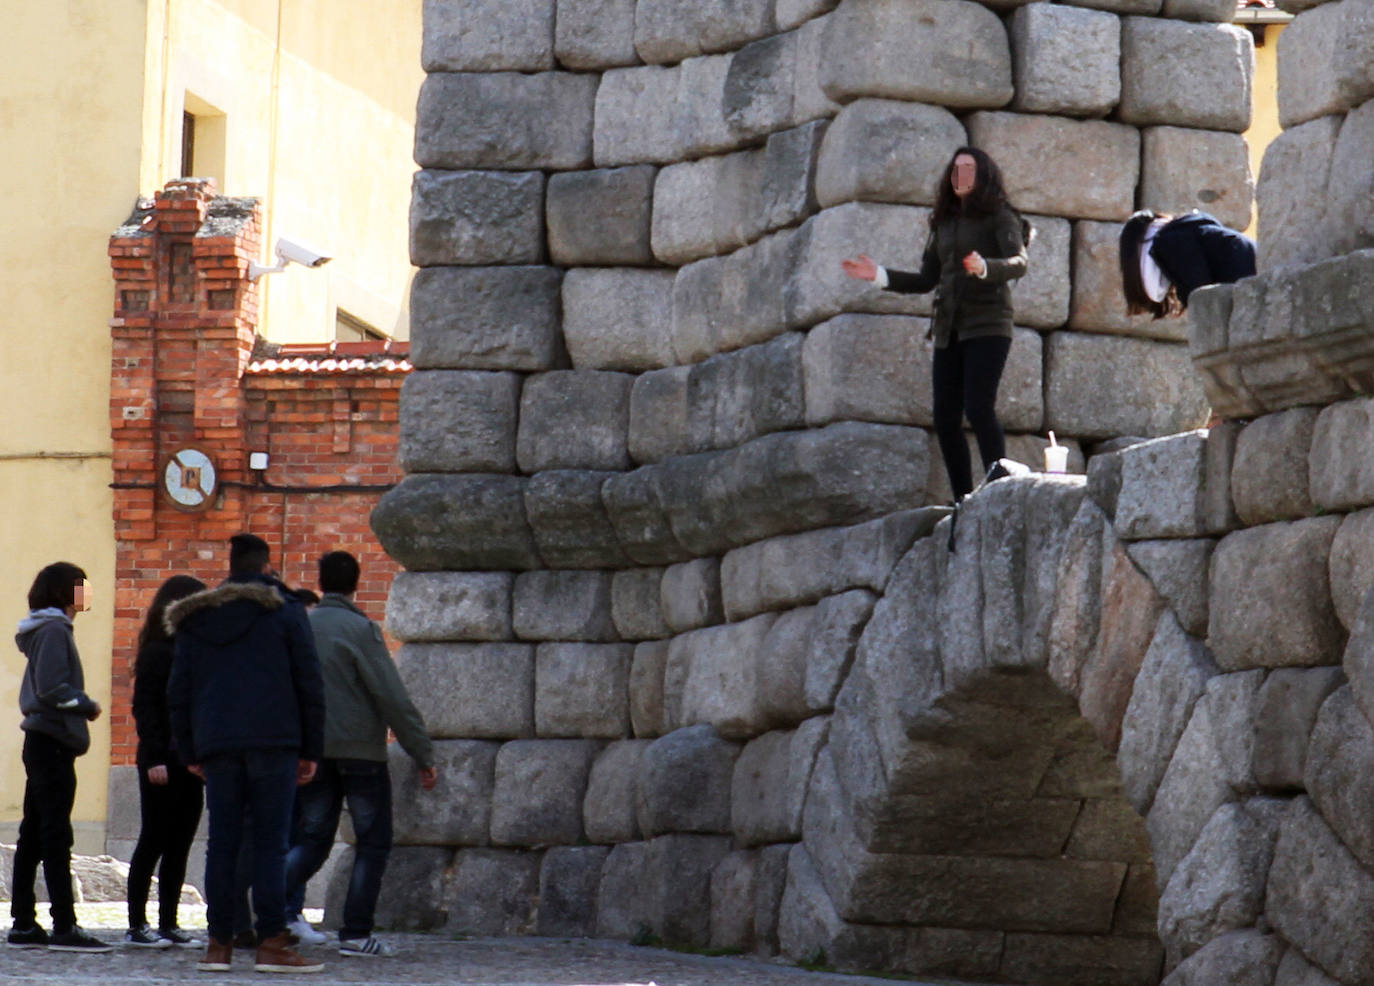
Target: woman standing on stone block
(1165, 259)
(170, 797)
(976, 247)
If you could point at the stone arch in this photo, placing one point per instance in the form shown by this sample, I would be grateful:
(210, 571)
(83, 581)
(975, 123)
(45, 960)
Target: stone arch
(967, 815)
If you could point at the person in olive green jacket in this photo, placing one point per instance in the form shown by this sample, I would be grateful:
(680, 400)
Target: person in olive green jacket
(975, 248)
(363, 696)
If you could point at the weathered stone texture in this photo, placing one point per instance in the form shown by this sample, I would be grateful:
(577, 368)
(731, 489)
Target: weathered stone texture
(582, 690)
(1292, 193)
(617, 319)
(450, 606)
(595, 34)
(684, 782)
(886, 150)
(471, 690)
(1350, 190)
(1340, 769)
(458, 421)
(609, 813)
(1269, 475)
(1309, 83)
(1177, 568)
(768, 790)
(667, 31)
(486, 318)
(1099, 386)
(1239, 958)
(953, 55)
(1184, 169)
(1041, 298)
(574, 420)
(646, 688)
(1352, 565)
(1082, 169)
(732, 900)
(632, 124)
(539, 789)
(1067, 60)
(1162, 488)
(493, 892)
(1289, 701)
(435, 522)
(602, 217)
(569, 877)
(569, 521)
(412, 895)
(1186, 75)
(470, 36)
(636, 605)
(1098, 304)
(721, 681)
(1342, 475)
(505, 120)
(689, 595)
(1271, 597)
(1199, 10)
(458, 811)
(476, 217)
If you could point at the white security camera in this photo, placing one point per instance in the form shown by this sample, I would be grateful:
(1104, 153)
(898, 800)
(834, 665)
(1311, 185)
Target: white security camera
(290, 252)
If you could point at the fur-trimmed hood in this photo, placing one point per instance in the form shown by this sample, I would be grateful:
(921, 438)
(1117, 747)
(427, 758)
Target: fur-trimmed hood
(260, 593)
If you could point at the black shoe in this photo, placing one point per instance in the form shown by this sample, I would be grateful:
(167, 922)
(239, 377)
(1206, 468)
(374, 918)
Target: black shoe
(31, 937)
(177, 937)
(245, 939)
(144, 937)
(76, 940)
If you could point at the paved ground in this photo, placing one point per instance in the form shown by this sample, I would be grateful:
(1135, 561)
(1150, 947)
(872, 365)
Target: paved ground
(424, 960)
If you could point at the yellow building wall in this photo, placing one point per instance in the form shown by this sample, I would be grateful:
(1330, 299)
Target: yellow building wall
(1264, 118)
(317, 101)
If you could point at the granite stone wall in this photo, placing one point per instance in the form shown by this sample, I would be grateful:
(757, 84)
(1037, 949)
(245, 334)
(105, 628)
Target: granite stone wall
(668, 527)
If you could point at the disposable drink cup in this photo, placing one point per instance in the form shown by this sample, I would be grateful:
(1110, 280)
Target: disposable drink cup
(1056, 458)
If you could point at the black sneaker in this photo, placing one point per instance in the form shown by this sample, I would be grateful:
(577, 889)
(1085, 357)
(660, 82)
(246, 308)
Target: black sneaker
(30, 937)
(175, 936)
(76, 940)
(144, 937)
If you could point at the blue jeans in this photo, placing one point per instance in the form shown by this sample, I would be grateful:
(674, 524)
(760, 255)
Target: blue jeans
(366, 785)
(263, 782)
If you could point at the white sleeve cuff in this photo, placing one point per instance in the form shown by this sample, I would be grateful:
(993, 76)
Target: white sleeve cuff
(880, 279)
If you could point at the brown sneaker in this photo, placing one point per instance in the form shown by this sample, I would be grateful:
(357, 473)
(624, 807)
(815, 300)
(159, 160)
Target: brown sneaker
(217, 957)
(275, 954)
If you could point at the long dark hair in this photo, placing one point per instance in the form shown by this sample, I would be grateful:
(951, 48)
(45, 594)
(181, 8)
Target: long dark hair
(55, 586)
(1138, 302)
(989, 195)
(177, 587)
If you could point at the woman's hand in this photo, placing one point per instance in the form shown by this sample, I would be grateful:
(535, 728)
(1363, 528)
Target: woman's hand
(863, 269)
(975, 264)
(158, 775)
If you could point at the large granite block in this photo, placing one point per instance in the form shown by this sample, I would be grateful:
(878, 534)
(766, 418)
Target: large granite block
(563, 605)
(425, 606)
(1339, 769)
(617, 319)
(1271, 597)
(1352, 565)
(458, 811)
(636, 604)
(602, 217)
(492, 892)
(539, 789)
(486, 318)
(667, 31)
(1309, 79)
(684, 782)
(1186, 75)
(595, 34)
(1099, 386)
(472, 36)
(719, 672)
(1067, 60)
(689, 595)
(886, 150)
(1041, 298)
(505, 120)
(770, 781)
(568, 881)
(1163, 486)
(1177, 568)
(458, 421)
(1184, 169)
(476, 218)
(1082, 169)
(1269, 478)
(571, 419)
(582, 690)
(759, 87)
(1292, 193)
(953, 54)
(1289, 701)
(632, 122)
(431, 522)
(570, 524)
(1342, 476)
(609, 812)
(646, 688)
(471, 690)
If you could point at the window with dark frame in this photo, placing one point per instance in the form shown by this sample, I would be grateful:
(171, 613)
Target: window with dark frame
(350, 328)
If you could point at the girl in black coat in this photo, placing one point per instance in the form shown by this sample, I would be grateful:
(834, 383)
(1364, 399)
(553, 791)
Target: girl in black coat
(1165, 259)
(976, 247)
(170, 798)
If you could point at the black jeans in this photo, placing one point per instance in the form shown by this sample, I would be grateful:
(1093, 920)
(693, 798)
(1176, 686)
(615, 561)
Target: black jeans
(366, 784)
(964, 377)
(170, 813)
(45, 834)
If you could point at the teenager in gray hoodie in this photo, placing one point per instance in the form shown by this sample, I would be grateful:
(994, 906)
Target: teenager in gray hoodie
(56, 710)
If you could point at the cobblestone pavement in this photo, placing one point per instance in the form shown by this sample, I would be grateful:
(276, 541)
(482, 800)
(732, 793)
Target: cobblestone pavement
(423, 960)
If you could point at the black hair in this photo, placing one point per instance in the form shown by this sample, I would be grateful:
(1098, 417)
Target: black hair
(55, 586)
(339, 572)
(248, 554)
(175, 588)
(306, 597)
(1138, 302)
(989, 195)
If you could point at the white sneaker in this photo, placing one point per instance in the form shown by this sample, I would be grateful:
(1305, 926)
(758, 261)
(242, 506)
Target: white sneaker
(366, 948)
(307, 935)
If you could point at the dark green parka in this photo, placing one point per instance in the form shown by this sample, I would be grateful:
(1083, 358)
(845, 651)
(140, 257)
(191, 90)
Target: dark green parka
(966, 306)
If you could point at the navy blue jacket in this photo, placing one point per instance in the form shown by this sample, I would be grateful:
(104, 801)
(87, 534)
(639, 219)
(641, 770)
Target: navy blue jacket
(1195, 250)
(245, 675)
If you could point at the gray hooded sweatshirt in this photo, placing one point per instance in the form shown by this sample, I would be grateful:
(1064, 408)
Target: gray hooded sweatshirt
(52, 695)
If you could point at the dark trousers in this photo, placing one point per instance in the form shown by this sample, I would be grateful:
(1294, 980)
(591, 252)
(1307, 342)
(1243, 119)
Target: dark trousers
(170, 815)
(965, 375)
(45, 834)
(263, 782)
(366, 786)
